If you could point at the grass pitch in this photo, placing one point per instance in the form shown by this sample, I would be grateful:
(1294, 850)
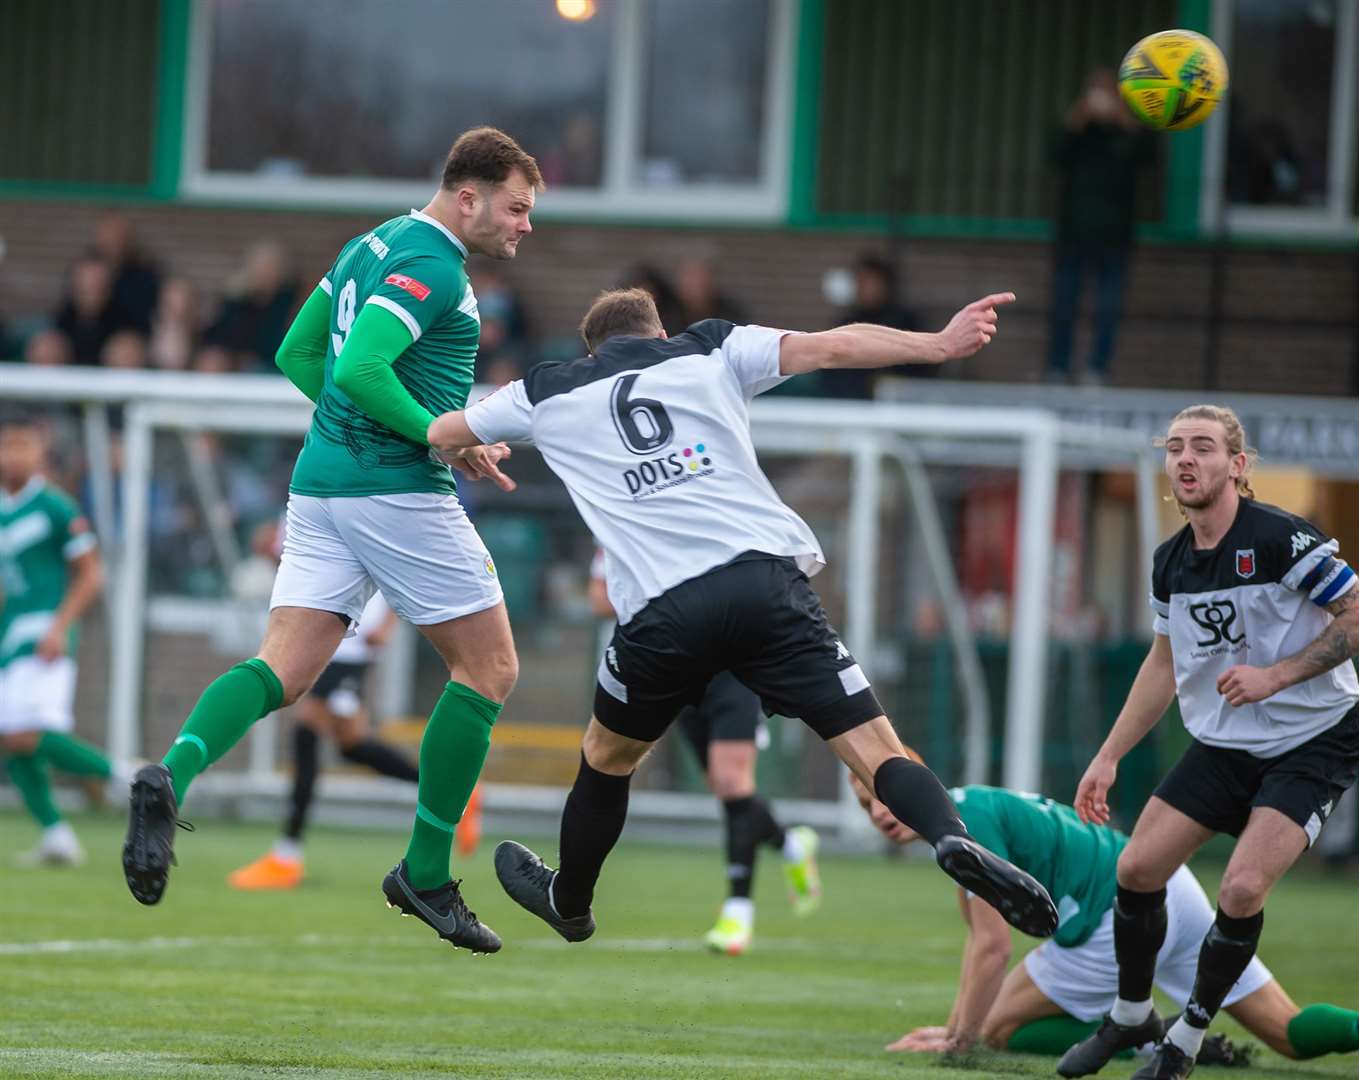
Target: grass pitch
(326, 982)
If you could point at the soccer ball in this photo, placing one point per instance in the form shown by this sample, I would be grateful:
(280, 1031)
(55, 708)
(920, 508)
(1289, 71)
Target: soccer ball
(1173, 80)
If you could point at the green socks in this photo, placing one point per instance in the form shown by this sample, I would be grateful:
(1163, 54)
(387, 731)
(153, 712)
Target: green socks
(1051, 1036)
(75, 756)
(1324, 1029)
(223, 714)
(451, 755)
(29, 774)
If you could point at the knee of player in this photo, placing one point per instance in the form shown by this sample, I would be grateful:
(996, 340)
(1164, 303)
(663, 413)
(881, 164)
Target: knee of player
(1243, 891)
(497, 675)
(20, 742)
(730, 783)
(1137, 873)
(610, 753)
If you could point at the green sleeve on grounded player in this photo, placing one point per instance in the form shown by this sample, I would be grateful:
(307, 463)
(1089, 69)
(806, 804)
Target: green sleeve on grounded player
(363, 371)
(302, 356)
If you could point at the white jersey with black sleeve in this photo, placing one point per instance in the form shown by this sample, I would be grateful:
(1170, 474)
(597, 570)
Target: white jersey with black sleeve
(1257, 597)
(651, 437)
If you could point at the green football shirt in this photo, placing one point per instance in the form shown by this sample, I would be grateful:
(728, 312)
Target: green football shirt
(413, 267)
(1075, 862)
(41, 529)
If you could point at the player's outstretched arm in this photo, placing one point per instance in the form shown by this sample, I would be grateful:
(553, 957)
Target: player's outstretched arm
(984, 962)
(863, 345)
(1151, 694)
(1337, 644)
(459, 445)
(302, 355)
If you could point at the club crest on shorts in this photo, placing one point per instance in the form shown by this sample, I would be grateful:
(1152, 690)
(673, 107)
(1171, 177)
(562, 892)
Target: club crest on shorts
(1245, 563)
(490, 567)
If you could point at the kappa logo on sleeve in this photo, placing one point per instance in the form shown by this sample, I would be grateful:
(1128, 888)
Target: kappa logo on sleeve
(1301, 542)
(417, 289)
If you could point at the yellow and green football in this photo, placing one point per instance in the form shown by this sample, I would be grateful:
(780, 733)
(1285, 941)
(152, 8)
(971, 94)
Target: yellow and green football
(1173, 80)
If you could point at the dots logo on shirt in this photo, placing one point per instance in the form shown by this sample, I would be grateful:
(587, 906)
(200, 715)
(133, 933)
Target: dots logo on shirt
(669, 470)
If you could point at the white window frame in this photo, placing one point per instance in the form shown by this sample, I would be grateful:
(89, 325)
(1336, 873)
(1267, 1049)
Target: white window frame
(619, 197)
(1336, 219)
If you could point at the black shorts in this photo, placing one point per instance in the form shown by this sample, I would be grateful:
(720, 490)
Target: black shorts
(1218, 787)
(727, 712)
(338, 676)
(756, 617)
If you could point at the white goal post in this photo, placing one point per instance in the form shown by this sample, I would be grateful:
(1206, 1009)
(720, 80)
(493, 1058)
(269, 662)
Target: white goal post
(873, 436)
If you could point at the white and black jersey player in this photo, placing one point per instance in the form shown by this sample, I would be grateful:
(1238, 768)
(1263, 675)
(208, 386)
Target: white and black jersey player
(1256, 619)
(707, 570)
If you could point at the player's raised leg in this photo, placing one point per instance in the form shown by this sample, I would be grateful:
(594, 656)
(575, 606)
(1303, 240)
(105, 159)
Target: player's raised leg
(298, 644)
(916, 797)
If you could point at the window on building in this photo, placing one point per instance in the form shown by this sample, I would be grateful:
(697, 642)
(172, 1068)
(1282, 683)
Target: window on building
(632, 107)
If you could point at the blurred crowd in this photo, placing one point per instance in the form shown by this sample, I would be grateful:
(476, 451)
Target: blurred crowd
(121, 309)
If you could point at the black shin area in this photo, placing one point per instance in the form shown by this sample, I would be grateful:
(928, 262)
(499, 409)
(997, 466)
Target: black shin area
(305, 745)
(1227, 949)
(1139, 933)
(381, 758)
(592, 821)
(918, 800)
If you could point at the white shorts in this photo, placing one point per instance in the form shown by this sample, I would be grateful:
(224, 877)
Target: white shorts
(37, 695)
(1084, 980)
(419, 548)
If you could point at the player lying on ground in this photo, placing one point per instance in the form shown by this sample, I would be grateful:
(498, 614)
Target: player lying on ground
(1276, 740)
(1054, 998)
(49, 576)
(707, 570)
(390, 333)
(725, 730)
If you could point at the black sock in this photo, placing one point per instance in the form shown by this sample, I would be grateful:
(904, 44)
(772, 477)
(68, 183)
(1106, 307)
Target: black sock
(592, 821)
(917, 799)
(740, 835)
(1227, 949)
(381, 758)
(304, 780)
(768, 831)
(1139, 933)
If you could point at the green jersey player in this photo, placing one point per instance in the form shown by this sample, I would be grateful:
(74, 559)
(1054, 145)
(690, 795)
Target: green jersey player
(385, 342)
(1055, 996)
(49, 575)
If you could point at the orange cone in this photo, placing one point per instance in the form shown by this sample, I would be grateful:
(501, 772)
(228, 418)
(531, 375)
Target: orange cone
(468, 834)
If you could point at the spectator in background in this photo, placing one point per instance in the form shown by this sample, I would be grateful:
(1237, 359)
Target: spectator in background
(255, 316)
(126, 350)
(699, 297)
(174, 327)
(649, 278)
(1099, 154)
(135, 281)
(86, 316)
(47, 348)
(876, 301)
(501, 352)
(214, 360)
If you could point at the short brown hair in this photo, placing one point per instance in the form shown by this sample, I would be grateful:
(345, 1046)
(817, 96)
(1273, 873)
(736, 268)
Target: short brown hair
(488, 155)
(619, 311)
